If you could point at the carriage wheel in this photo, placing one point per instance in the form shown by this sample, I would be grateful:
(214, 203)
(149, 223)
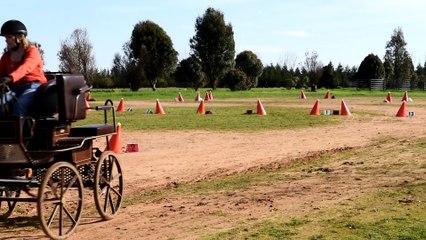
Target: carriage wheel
(108, 185)
(60, 200)
(7, 207)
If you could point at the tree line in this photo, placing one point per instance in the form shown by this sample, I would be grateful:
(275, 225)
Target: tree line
(148, 59)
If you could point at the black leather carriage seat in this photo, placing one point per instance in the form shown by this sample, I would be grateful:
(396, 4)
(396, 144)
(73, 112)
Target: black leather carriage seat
(46, 102)
(61, 98)
(92, 130)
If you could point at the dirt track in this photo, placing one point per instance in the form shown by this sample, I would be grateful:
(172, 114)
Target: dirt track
(173, 157)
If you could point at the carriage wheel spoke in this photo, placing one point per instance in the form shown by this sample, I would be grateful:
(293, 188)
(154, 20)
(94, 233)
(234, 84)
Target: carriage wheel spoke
(72, 182)
(116, 192)
(49, 222)
(107, 196)
(112, 204)
(69, 215)
(53, 187)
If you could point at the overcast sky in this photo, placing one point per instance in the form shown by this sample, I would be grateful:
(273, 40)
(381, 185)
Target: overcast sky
(278, 31)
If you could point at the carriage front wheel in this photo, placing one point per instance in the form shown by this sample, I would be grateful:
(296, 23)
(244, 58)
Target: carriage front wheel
(108, 190)
(60, 200)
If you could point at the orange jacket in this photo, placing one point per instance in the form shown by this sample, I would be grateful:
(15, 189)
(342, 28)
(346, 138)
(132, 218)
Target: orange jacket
(28, 69)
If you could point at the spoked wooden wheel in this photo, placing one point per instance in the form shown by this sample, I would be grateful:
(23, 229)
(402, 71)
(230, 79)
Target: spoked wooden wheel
(108, 185)
(60, 200)
(7, 206)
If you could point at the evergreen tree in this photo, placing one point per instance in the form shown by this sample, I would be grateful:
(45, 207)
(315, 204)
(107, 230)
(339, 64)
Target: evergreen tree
(153, 50)
(371, 68)
(214, 45)
(398, 64)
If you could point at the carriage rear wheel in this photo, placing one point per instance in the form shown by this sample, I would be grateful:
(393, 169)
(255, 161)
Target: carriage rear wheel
(7, 207)
(108, 190)
(60, 200)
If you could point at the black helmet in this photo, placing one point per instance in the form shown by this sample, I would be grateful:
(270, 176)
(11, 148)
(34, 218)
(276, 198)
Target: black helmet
(13, 27)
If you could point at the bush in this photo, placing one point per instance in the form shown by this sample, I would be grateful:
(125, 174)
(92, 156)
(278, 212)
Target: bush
(237, 80)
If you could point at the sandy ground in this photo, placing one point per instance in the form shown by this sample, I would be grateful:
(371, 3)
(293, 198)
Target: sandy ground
(168, 158)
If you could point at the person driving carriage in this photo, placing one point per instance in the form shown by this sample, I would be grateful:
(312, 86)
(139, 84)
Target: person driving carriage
(21, 68)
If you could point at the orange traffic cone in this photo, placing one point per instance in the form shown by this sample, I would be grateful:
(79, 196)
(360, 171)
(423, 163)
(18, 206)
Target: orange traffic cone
(302, 95)
(115, 143)
(315, 110)
(201, 109)
(260, 109)
(89, 97)
(158, 108)
(211, 95)
(207, 96)
(180, 98)
(405, 97)
(389, 98)
(344, 109)
(87, 106)
(197, 97)
(402, 112)
(327, 95)
(120, 107)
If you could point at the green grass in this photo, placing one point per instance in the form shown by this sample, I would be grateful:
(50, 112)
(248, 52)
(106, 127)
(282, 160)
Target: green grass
(269, 229)
(228, 109)
(169, 94)
(222, 119)
(382, 215)
(376, 216)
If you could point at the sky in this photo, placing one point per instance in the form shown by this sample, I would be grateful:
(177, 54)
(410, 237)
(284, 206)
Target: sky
(277, 31)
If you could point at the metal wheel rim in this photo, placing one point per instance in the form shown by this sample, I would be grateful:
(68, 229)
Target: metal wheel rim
(60, 201)
(108, 189)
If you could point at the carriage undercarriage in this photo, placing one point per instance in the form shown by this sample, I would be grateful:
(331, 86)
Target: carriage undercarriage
(49, 162)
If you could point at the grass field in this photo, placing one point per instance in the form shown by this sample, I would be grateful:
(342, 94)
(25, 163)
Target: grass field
(168, 94)
(223, 119)
(226, 118)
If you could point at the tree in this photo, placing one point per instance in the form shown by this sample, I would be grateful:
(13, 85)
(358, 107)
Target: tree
(327, 77)
(277, 76)
(313, 67)
(153, 52)
(75, 55)
(286, 78)
(371, 68)
(189, 72)
(248, 62)
(300, 79)
(339, 76)
(237, 80)
(269, 77)
(421, 75)
(103, 79)
(125, 70)
(397, 58)
(214, 45)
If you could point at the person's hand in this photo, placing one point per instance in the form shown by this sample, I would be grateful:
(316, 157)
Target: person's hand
(6, 80)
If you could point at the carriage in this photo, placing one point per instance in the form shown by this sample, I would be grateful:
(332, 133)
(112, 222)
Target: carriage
(47, 160)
